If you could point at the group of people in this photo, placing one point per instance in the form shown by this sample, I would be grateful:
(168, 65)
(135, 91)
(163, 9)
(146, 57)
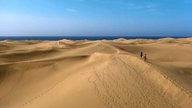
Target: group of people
(144, 57)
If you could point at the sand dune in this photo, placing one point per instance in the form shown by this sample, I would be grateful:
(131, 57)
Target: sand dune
(96, 74)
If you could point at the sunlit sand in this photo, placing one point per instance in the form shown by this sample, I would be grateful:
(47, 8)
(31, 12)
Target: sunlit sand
(96, 74)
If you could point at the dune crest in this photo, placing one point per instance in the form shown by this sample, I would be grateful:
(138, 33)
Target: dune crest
(96, 74)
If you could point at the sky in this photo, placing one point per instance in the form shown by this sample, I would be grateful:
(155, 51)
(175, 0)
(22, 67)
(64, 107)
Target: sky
(95, 17)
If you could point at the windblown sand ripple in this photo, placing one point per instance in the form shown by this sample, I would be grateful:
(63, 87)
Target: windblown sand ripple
(96, 74)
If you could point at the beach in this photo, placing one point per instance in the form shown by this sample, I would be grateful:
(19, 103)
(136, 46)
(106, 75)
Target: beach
(96, 74)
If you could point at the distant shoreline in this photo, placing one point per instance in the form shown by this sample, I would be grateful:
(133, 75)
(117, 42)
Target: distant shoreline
(54, 38)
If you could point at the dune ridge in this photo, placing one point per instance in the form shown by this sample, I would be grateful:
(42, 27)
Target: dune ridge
(164, 82)
(104, 74)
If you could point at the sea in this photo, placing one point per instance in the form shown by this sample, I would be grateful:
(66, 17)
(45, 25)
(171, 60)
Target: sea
(55, 38)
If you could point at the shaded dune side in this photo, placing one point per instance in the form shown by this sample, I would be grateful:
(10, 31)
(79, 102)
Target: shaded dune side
(29, 55)
(31, 77)
(72, 44)
(39, 51)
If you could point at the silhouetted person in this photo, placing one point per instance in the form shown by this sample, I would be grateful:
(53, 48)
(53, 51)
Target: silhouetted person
(145, 57)
(141, 55)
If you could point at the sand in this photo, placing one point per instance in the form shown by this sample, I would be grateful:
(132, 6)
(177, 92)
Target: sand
(96, 74)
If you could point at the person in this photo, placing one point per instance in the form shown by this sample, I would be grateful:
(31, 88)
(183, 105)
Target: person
(141, 55)
(145, 57)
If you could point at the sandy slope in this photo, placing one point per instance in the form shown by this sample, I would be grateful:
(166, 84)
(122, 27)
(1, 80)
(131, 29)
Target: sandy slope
(96, 74)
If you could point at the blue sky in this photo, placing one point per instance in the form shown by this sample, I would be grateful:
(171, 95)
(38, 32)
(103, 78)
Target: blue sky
(95, 17)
